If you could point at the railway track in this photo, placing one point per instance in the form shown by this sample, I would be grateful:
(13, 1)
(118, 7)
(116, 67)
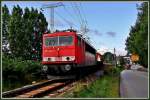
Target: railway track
(39, 89)
(48, 88)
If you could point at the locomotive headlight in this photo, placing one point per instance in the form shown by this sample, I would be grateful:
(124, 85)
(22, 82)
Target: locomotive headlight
(49, 59)
(69, 58)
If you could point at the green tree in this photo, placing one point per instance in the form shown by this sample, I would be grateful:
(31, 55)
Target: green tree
(25, 33)
(42, 28)
(39, 27)
(16, 32)
(108, 57)
(137, 42)
(5, 20)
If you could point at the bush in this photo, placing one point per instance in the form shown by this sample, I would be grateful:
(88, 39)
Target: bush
(18, 69)
(116, 70)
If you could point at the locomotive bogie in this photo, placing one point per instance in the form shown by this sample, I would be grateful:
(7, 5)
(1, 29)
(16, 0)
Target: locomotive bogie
(57, 69)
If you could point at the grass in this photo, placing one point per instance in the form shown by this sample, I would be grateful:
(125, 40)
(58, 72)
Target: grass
(9, 85)
(104, 87)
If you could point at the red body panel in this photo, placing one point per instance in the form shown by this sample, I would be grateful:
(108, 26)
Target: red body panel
(62, 51)
(80, 52)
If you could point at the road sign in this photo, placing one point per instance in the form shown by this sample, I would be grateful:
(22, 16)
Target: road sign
(134, 57)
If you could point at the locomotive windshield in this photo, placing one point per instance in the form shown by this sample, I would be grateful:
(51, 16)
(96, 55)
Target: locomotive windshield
(65, 40)
(59, 41)
(52, 41)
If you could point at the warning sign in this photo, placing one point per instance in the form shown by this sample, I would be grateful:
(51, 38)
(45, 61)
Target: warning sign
(134, 57)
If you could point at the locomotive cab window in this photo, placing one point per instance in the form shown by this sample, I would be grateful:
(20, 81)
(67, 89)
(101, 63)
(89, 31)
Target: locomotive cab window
(51, 41)
(65, 40)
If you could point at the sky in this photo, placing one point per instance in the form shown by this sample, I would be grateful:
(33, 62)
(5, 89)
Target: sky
(108, 22)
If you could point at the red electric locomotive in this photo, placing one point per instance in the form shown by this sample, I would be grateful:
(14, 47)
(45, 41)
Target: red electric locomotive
(65, 51)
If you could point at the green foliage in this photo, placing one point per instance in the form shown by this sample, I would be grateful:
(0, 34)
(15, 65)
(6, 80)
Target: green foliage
(39, 28)
(11, 84)
(105, 87)
(16, 35)
(116, 70)
(113, 71)
(137, 42)
(16, 69)
(108, 57)
(23, 31)
(5, 19)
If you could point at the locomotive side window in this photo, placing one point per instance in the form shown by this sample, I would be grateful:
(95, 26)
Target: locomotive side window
(52, 41)
(65, 40)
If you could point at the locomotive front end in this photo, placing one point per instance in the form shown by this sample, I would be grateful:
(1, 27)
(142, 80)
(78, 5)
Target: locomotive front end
(58, 52)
